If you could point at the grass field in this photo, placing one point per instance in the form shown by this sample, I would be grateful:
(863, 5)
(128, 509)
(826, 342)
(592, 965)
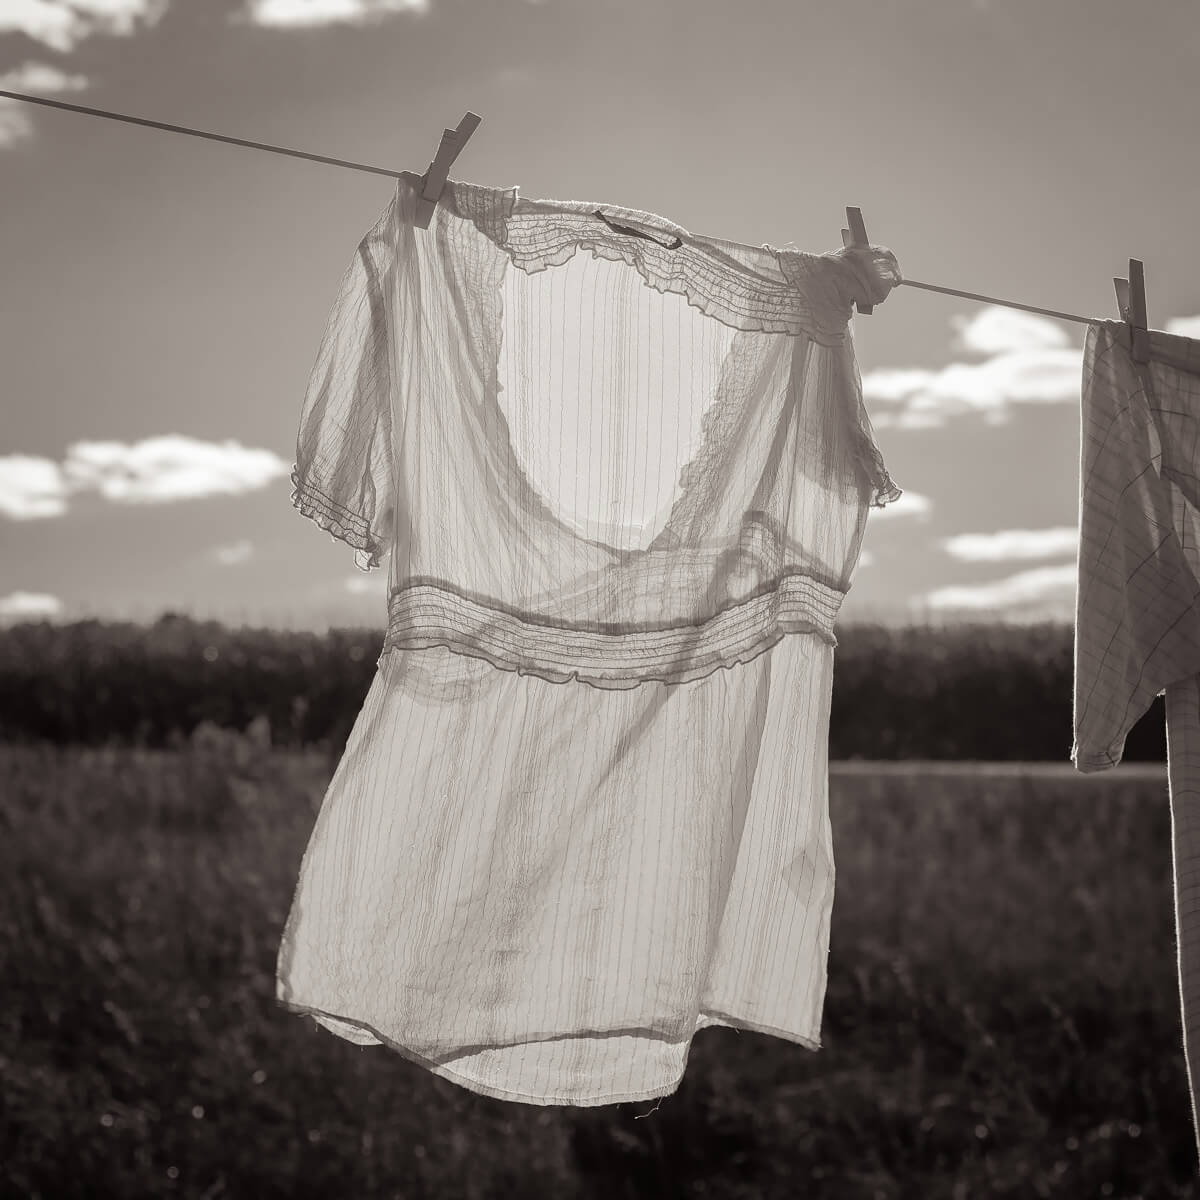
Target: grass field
(1001, 1019)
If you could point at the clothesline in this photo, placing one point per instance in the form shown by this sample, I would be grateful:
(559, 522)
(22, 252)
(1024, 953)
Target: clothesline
(412, 176)
(1048, 312)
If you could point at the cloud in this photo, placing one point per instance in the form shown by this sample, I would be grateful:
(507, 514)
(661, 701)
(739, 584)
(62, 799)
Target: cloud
(157, 470)
(63, 24)
(996, 330)
(28, 606)
(890, 384)
(31, 487)
(1042, 591)
(1184, 326)
(309, 14)
(1013, 543)
(910, 504)
(41, 77)
(234, 553)
(1029, 362)
(15, 121)
(167, 468)
(314, 14)
(929, 398)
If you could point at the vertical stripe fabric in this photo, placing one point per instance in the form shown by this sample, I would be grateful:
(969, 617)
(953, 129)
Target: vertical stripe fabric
(621, 475)
(1137, 627)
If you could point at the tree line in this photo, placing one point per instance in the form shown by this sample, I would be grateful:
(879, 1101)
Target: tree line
(977, 691)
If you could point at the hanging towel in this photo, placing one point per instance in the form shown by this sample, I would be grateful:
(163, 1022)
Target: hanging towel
(622, 474)
(1137, 627)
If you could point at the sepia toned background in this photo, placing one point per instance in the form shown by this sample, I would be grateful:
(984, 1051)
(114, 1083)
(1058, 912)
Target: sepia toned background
(1002, 1016)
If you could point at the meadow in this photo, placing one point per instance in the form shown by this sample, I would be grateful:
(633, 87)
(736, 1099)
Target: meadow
(1002, 1017)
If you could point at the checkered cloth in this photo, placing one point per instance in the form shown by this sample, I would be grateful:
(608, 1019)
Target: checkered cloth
(1137, 628)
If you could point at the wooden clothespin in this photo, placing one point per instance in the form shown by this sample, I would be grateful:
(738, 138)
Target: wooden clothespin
(1131, 303)
(856, 235)
(434, 179)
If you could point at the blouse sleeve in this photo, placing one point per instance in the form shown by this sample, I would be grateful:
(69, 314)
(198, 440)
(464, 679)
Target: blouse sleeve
(343, 477)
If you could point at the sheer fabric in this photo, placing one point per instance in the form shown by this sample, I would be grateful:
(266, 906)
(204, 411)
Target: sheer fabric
(607, 457)
(1137, 627)
(644, 463)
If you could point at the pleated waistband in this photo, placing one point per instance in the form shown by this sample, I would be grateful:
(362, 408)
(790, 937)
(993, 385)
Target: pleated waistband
(423, 615)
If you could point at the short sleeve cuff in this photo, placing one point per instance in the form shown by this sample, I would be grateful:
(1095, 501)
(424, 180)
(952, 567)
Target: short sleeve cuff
(335, 518)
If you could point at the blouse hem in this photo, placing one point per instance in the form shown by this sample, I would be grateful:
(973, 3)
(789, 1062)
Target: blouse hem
(473, 1084)
(1092, 762)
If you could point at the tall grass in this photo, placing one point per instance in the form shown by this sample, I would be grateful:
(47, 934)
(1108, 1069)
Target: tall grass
(1001, 1019)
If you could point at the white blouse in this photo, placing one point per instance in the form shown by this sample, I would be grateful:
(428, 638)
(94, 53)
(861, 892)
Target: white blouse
(583, 810)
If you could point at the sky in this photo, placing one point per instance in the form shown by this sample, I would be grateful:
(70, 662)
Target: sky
(162, 297)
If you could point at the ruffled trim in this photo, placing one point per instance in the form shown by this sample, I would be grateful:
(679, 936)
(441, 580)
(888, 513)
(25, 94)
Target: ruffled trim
(785, 291)
(336, 519)
(424, 615)
(885, 492)
(883, 488)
